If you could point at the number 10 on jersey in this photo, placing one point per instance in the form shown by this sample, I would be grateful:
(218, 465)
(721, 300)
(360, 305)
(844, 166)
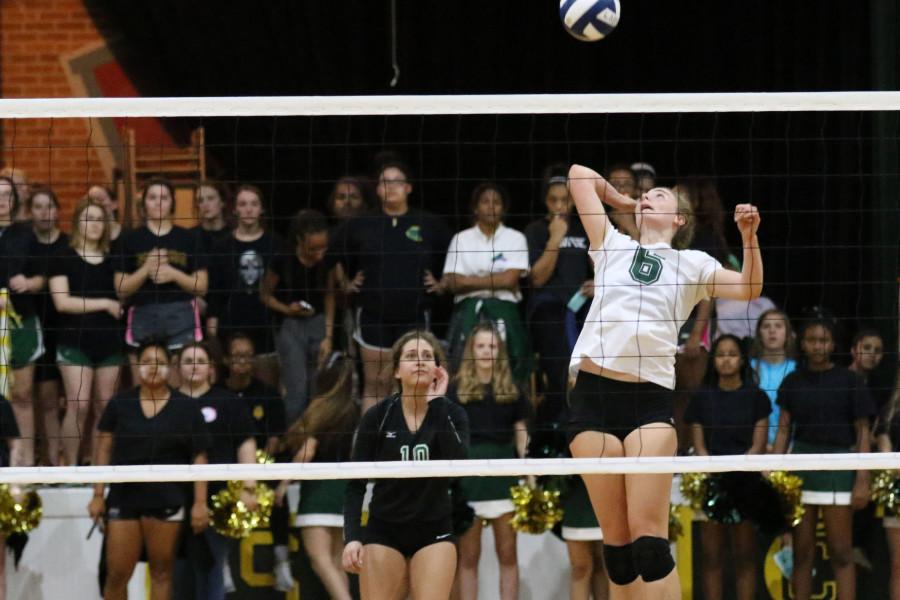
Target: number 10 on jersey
(419, 452)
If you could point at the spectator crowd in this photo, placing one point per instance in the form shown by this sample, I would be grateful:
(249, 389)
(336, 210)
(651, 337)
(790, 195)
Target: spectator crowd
(164, 344)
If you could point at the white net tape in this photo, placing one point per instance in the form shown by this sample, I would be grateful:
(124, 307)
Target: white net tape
(448, 105)
(453, 468)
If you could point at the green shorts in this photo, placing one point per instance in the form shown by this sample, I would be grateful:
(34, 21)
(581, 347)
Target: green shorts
(828, 488)
(321, 503)
(27, 342)
(73, 357)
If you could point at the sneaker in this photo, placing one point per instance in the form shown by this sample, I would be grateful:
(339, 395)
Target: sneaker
(284, 581)
(227, 579)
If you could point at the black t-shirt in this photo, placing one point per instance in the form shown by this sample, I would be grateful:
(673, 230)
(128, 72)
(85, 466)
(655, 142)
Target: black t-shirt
(728, 417)
(16, 249)
(209, 239)
(85, 281)
(825, 405)
(267, 410)
(43, 256)
(491, 422)
(573, 266)
(393, 253)
(890, 425)
(230, 425)
(9, 429)
(236, 270)
(175, 436)
(185, 252)
(383, 435)
(297, 282)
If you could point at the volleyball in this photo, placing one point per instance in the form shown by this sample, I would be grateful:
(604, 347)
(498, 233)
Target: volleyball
(589, 20)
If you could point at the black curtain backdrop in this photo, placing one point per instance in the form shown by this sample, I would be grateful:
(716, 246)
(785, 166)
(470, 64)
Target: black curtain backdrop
(812, 174)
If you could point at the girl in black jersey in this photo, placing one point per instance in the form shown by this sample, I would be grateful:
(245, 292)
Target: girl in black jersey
(43, 205)
(88, 353)
(16, 266)
(887, 438)
(497, 411)
(325, 434)
(825, 409)
(728, 416)
(407, 543)
(161, 271)
(395, 256)
(211, 199)
(232, 430)
(238, 263)
(147, 425)
(106, 197)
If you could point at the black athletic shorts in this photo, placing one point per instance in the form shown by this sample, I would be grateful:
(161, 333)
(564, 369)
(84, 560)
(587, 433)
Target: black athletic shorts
(616, 407)
(167, 513)
(408, 538)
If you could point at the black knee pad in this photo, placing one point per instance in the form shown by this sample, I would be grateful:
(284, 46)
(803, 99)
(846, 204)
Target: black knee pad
(619, 562)
(652, 557)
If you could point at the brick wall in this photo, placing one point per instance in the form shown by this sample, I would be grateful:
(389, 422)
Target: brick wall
(39, 40)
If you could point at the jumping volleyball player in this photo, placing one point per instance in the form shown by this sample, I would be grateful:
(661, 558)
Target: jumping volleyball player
(621, 404)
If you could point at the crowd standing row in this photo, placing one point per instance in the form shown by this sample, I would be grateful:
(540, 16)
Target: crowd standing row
(287, 326)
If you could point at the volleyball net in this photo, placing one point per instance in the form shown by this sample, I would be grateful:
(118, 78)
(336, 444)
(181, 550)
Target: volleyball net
(822, 167)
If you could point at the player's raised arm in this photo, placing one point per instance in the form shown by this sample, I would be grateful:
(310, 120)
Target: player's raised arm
(747, 284)
(589, 191)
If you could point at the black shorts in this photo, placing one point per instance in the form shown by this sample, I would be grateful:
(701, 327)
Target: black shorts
(408, 538)
(374, 333)
(616, 407)
(174, 514)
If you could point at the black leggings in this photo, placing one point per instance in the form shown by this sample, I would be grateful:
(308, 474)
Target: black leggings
(279, 523)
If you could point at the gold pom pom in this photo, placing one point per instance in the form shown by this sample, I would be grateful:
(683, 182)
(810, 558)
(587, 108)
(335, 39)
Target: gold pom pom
(536, 510)
(676, 529)
(232, 518)
(789, 488)
(19, 516)
(264, 458)
(886, 492)
(694, 489)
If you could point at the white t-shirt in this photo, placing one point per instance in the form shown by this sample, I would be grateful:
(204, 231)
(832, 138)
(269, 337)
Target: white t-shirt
(472, 253)
(739, 317)
(642, 296)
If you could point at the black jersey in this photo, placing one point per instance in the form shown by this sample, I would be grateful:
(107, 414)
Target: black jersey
(383, 435)
(230, 425)
(42, 257)
(236, 269)
(573, 267)
(825, 405)
(209, 238)
(491, 422)
(185, 252)
(9, 430)
(267, 410)
(299, 283)
(393, 252)
(16, 247)
(728, 417)
(175, 435)
(86, 280)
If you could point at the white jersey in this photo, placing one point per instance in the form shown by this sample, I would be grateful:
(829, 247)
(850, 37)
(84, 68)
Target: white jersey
(642, 296)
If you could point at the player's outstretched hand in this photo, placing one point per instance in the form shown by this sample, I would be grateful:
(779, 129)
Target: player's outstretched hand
(747, 218)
